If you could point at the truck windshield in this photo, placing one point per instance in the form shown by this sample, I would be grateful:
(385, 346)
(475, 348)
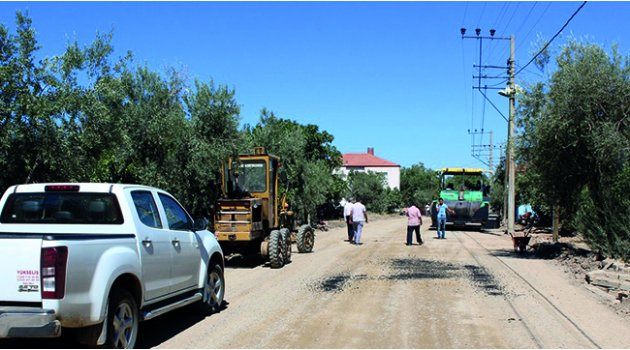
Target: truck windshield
(250, 176)
(462, 182)
(61, 208)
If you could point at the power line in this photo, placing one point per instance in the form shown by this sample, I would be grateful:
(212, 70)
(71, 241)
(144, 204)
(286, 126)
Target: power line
(532, 72)
(511, 18)
(483, 9)
(506, 28)
(464, 80)
(526, 18)
(534, 26)
(465, 11)
(547, 44)
(552, 38)
(502, 12)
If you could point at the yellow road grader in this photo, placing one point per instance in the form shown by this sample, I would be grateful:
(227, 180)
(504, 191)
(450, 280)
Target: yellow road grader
(251, 218)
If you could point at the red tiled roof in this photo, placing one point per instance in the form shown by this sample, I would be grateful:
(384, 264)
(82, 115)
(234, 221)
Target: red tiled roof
(366, 159)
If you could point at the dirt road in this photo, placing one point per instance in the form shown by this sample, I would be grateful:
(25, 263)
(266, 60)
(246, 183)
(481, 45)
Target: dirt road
(466, 291)
(446, 293)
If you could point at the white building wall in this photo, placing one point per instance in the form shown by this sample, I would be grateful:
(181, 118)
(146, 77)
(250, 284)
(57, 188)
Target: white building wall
(392, 174)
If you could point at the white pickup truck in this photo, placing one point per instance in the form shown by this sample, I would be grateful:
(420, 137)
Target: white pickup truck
(100, 257)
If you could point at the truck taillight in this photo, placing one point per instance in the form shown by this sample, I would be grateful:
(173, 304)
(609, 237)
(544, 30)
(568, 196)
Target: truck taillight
(53, 272)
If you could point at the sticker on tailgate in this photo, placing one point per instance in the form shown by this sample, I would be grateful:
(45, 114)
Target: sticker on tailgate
(28, 280)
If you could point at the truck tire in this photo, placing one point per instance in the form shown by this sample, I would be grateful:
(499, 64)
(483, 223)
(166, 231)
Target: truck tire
(122, 320)
(213, 290)
(305, 239)
(286, 236)
(276, 249)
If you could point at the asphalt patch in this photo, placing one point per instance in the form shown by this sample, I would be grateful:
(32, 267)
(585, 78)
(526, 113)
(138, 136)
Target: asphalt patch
(338, 283)
(409, 269)
(418, 269)
(414, 268)
(334, 283)
(483, 280)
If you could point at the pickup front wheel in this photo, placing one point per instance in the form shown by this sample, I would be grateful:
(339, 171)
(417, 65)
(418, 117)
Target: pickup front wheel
(122, 320)
(213, 290)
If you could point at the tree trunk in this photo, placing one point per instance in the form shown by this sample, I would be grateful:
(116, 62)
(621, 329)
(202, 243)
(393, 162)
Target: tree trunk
(556, 222)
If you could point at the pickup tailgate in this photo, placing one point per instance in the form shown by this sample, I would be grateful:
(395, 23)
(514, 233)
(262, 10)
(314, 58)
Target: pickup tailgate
(19, 269)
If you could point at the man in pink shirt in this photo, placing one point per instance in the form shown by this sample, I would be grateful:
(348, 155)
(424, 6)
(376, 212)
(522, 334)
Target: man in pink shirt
(414, 220)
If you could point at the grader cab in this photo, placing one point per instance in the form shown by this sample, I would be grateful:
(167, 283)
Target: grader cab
(251, 218)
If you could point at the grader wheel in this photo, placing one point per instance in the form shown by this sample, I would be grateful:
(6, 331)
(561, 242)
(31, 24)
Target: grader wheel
(286, 237)
(305, 239)
(276, 249)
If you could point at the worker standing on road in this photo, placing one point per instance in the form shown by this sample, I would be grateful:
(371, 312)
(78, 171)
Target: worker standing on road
(359, 217)
(414, 220)
(441, 209)
(347, 214)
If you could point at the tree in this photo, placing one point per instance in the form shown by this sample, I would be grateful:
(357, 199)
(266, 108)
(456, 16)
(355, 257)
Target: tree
(418, 185)
(84, 116)
(308, 158)
(575, 140)
(371, 189)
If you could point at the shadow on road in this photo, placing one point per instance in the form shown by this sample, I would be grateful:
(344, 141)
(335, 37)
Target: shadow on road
(151, 333)
(239, 261)
(162, 328)
(510, 253)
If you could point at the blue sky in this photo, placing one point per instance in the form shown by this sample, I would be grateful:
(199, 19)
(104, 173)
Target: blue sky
(393, 76)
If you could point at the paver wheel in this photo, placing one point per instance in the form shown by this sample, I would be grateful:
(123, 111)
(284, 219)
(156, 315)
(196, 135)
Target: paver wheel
(286, 237)
(276, 249)
(122, 320)
(305, 239)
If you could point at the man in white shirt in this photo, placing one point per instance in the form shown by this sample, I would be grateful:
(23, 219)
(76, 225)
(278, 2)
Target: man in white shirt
(359, 217)
(347, 214)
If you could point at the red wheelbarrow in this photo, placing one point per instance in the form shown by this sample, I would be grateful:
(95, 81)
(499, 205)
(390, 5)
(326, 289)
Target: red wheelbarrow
(521, 240)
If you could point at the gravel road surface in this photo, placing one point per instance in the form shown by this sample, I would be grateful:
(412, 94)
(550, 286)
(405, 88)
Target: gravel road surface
(467, 291)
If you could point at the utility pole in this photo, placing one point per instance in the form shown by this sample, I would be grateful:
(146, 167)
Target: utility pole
(510, 92)
(510, 146)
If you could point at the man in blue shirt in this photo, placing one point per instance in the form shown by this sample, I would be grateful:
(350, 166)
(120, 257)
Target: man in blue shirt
(441, 209)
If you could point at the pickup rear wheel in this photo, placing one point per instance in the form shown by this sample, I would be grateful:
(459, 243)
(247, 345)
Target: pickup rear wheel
(122, 320)
(213, 290)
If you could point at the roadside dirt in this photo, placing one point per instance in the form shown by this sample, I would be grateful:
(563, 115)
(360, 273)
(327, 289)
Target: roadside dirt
(576, 259)
(468, 291)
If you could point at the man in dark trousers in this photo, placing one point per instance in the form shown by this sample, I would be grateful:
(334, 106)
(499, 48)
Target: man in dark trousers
(414, 220)
(347, 215)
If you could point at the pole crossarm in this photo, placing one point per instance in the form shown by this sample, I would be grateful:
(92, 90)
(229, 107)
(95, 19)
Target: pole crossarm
(490, 77)
(484, 37)
(491, 66)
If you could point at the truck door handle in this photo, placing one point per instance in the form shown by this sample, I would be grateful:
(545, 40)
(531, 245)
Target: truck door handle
(147, 242)
(175, 242)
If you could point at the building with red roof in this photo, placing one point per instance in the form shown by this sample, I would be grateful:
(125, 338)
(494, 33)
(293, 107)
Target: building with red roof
(364, 162)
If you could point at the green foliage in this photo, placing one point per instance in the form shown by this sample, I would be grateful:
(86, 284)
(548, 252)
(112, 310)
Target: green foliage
(83, 116)
(497, 189)
(418, 185)
(371, 189)
(575, 140)
(605, 225)
(308, 160)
